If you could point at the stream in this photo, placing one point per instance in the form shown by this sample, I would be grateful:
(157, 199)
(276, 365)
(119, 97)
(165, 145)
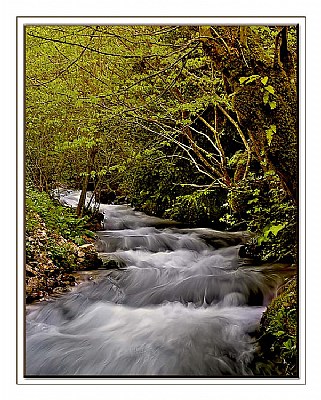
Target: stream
(182, 303)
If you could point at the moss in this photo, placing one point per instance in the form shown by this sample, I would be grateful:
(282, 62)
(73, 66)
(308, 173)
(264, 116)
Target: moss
(277, 336)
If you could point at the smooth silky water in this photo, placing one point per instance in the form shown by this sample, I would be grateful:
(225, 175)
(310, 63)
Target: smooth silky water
(179, 305)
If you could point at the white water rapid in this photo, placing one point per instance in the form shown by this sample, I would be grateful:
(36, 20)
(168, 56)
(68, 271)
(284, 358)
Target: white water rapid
(181, 304)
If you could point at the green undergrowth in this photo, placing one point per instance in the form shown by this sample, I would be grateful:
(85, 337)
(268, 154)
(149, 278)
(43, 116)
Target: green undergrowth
(57, 244)
(277, 336)
(57, 218)
(199, 208)
(264, 209)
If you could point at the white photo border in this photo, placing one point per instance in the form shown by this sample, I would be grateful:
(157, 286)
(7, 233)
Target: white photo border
(20, 334)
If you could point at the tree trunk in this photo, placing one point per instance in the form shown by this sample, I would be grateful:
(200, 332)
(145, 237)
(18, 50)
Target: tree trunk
(239, 55)
(82, 199)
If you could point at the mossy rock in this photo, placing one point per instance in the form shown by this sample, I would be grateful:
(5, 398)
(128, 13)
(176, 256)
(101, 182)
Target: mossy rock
(109, 263)
(277, 336)
(88, 259)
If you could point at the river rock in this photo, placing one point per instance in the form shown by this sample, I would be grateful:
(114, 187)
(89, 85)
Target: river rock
(87, 246)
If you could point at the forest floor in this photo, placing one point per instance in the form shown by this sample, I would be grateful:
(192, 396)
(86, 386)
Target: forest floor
(51, 262)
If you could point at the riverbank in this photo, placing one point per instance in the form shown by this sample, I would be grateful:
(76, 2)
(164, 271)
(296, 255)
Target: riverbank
(277, 336)
(57, 244)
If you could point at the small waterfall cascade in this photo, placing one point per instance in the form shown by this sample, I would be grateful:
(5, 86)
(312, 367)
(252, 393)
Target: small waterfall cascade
(180, 304)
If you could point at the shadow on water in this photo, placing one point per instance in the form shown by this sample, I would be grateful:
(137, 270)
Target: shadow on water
(182, 305)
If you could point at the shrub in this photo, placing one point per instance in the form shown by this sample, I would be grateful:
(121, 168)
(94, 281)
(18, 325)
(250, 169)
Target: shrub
(265, 210)
(56, 217)
(199, 208)
(278, 335)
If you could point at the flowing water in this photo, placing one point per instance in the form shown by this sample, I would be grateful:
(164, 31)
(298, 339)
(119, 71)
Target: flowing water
(181, 304)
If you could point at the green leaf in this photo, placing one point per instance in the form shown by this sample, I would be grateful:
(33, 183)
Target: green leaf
(264, 80)
(79, 240)
(186, 122)
(288, 344)
(269, 88)
(248, 79)
(269, 173)
(272, 104)
(94, 99)
(269, 136)
(260, 240)
(253, 201)
(269, 133)
(274, 229)
(266, 97)
(78, 103)
(243, 79)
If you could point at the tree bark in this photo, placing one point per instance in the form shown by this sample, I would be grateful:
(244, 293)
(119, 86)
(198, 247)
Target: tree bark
(240, 55)
(82, 199)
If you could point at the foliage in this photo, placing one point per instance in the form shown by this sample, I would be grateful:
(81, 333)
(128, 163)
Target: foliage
(53, 234)
(265, 210)
(160, 113)
(57, 218)
(62, 255)
(277, 336)
(201, 207)
(145, 180)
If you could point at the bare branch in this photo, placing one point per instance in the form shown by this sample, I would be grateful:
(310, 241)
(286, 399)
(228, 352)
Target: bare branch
(217, 139)
(208, 138)
(223, 166)
(184, 147)
(220, 37)
(239, 130)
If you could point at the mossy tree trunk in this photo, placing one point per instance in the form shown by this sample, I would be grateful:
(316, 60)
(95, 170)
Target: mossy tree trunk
(266, 109)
